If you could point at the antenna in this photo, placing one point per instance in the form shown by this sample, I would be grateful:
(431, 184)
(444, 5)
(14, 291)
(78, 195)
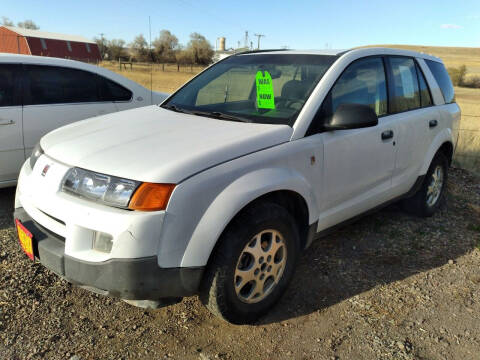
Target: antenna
(102, 39)
(259, 36)
(151, 59)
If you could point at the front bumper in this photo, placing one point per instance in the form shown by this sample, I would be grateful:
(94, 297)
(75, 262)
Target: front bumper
(126, 278)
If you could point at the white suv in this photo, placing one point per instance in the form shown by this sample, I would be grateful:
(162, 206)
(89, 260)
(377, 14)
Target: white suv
(217, 191)
(39, 94)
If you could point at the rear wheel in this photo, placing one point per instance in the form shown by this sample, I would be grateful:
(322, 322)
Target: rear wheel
(430, 196)
(252, 265)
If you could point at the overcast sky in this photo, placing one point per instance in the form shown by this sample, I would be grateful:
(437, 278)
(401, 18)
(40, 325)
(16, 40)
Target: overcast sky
(297, 24)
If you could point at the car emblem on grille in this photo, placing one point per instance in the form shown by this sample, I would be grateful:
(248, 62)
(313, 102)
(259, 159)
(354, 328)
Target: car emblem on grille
(45, 170)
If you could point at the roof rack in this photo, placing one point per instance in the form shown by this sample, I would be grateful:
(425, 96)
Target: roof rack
(259, 51)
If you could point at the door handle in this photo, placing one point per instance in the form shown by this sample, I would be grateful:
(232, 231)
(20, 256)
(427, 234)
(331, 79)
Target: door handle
(7, 122)
(387, 134)
(432, 123)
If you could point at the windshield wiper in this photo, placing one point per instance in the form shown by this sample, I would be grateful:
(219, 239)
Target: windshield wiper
(220, 115)
(176, 109)
(212, 114)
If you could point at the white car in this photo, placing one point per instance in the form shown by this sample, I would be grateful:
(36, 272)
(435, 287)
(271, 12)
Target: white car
(39, 94)
(218, 190)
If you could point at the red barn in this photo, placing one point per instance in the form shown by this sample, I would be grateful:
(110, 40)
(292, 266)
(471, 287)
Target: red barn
(34, 42)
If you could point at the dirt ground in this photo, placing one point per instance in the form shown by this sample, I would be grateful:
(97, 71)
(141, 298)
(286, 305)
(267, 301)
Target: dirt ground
(390, 286)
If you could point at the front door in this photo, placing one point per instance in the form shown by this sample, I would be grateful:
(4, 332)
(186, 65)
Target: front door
(11, 137)
(359, 163)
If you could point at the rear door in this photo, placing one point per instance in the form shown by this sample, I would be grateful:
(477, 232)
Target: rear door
(11, 138)
(358, 163)
(414, 116)
(56, 96)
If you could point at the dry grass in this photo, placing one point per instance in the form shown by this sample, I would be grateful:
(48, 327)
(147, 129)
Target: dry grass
(451, 56)
(166, 79)
(468, 147)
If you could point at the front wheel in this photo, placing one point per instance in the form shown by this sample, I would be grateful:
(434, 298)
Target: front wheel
(252, 264)
(430, 196)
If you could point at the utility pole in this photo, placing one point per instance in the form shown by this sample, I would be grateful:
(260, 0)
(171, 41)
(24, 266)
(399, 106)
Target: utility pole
(259, 36)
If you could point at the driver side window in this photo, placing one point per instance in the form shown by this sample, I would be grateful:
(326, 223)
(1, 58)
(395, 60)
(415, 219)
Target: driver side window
(363, 82)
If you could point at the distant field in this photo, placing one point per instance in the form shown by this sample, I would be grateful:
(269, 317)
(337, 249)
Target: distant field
(166, 81)
(468, 147)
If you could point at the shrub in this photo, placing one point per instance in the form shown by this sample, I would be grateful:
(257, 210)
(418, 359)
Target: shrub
(472, 82)
(458, 75)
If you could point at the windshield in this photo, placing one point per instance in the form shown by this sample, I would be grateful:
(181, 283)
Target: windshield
(259, 88)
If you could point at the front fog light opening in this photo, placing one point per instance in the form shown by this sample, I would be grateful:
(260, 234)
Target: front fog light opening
(102, 242)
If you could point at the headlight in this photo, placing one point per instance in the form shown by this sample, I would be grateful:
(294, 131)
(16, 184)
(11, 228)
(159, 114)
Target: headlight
(36, 153)
(117, 192)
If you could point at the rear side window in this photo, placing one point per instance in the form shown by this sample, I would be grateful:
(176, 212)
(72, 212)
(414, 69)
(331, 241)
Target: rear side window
(443, 80)
(404, 87)
(56, 85)
(425, 97)
(59, 85)
(111, 91)
(8, 85)
(363, 82)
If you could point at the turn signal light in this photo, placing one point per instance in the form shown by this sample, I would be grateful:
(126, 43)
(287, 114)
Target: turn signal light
(151, 197)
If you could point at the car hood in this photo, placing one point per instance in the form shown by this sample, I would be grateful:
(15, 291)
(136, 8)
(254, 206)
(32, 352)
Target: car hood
(153, 144)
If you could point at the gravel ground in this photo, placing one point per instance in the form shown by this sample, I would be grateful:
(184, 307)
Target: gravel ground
(390, 286)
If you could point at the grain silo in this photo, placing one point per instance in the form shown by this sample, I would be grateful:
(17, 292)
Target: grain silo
(221, 44)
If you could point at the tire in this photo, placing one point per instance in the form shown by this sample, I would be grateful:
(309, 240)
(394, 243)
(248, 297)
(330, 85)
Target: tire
(263, 240)
(423, 204)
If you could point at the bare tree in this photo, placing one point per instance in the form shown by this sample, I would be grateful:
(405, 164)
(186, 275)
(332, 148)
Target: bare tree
(166, 46)
(201, 50)
(139, 47)
(6, 21)
(28, 24)
(116, 49)
(102, 45)
(183, 57)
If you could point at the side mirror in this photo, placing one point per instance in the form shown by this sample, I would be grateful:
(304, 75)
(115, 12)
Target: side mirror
(352, 116)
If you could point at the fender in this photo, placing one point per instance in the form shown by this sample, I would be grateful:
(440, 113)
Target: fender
(442, 137)
(235, 197)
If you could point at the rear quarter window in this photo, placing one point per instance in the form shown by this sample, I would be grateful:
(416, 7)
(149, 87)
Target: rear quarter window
(111, 91)
(441, 76)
